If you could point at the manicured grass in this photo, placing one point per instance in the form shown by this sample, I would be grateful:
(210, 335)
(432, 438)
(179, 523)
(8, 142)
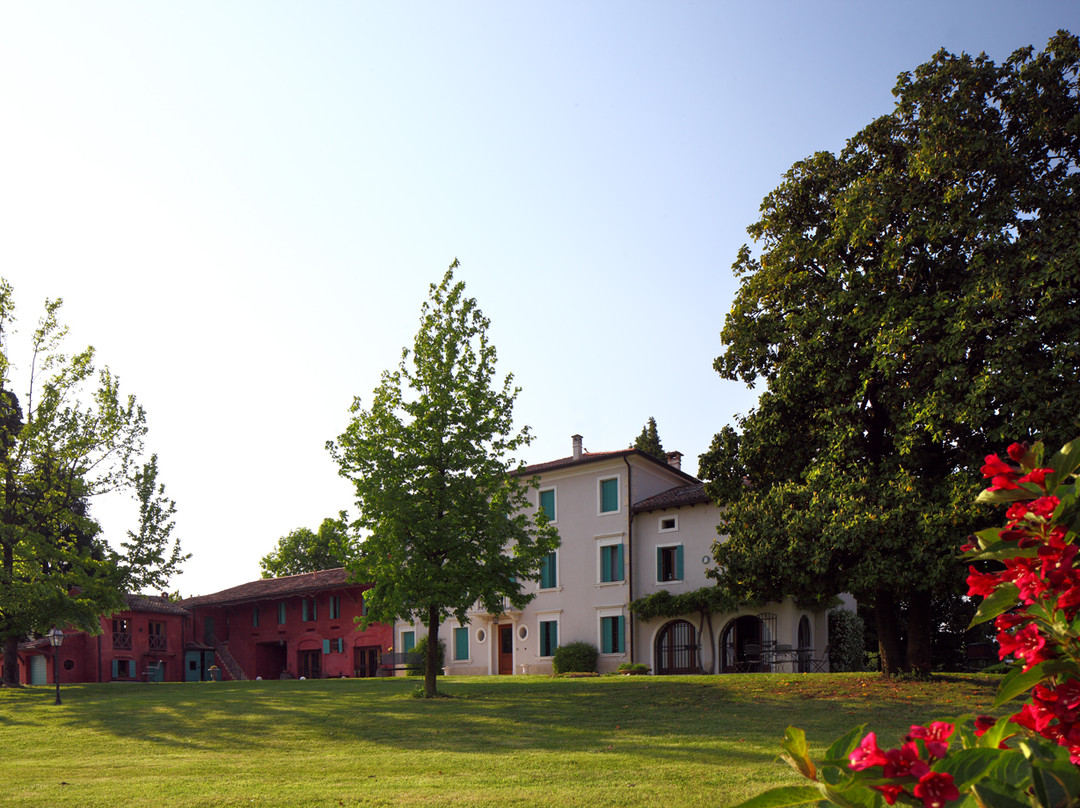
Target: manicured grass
(499, 741)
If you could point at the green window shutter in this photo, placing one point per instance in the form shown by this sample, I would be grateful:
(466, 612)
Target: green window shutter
(547, 504)
(618, 563)
(281, 613)
(619, 634)
(116, 669)
(326, 646)
(461, 643)
(314, 610)
(679, 563)
(659, 563)
(408, 641)
(547, 572)
(609, 495)
(255, 616)
(549, 637)
(605, 635)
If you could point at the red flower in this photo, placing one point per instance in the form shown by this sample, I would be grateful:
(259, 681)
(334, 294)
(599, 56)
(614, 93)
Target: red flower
(1044, 506)
(905, 761)
(995, 466)
(1018, 451)
(1037, 476)
(983, 723)
(935, 789)
(982, 584)
(890, 793)
(867, 754)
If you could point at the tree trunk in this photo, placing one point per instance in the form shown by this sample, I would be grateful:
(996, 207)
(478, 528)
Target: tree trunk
(888, 632)
(920, 629)
(432, 662)
(11, 662)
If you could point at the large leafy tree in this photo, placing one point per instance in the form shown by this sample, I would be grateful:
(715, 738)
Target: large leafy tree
(77, 438)
(441, 501)
(908, 292)
(304, 550)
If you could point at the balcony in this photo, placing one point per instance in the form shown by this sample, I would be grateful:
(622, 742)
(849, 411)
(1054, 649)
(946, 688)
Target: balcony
(121, 641)
(156, 643)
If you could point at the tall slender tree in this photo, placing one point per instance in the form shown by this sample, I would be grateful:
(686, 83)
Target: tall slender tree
(444, 509)
(77, 439)
(649, 441)
(907, 292)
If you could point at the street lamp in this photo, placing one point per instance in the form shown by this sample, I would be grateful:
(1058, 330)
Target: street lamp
(56, 639)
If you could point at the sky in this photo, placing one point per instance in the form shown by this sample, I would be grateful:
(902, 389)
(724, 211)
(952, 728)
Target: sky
(242, 206)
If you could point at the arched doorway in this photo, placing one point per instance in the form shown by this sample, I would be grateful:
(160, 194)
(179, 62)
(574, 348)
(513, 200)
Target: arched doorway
(805, 650)
(759, 630)
(676, 649)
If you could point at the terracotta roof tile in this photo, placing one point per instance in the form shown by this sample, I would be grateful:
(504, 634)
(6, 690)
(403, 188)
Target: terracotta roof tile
(276, 588)
(674, 498)
(594, 457)
(154, 604)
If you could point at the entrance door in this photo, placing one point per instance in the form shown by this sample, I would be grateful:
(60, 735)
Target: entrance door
(506, 649)
(310, 664)
(39, 667)
(193, 666)
(366, 660)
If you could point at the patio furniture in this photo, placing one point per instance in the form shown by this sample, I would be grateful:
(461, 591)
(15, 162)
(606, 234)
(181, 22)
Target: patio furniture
(821, 665)
(751, 659)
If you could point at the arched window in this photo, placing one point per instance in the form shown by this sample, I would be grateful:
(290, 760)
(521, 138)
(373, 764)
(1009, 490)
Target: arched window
(676, 649)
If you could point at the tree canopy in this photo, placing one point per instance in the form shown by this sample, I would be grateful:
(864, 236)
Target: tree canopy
(649, 441)
(304, 550)
(907, 293)
(76, 439)
(445, 513)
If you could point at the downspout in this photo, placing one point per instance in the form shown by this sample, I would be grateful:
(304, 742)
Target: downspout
(630, 549)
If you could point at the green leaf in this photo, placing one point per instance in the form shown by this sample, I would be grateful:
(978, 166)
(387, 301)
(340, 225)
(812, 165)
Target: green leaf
(845, 744)
(1064, 462)
(1000, 601)
(1003, 549)
(967, 766)
(993, 794)
(797, 753)
(1017, 681)
(783, 796)
(1001, 496)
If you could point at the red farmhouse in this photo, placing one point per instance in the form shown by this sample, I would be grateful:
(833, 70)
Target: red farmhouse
(144, 642)
(300, 625)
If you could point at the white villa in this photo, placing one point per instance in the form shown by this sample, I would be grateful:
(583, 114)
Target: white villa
(630, 526)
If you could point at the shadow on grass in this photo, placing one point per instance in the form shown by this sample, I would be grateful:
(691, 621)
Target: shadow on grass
(689, 719)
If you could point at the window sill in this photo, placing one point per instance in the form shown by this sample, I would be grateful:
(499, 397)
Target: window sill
(555, 589)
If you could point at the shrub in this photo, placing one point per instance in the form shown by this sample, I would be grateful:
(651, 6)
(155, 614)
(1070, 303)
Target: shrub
(416, 659)
(638, 668)
(845, 641)
(575, 657)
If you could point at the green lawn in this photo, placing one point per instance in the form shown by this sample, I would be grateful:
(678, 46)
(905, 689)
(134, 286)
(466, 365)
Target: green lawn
(499, 741)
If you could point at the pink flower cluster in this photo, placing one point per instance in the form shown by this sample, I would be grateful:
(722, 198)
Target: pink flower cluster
(907, 766)
(1049, 591)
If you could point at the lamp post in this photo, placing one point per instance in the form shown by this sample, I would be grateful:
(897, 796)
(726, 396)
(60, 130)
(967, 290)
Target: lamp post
(56, 639)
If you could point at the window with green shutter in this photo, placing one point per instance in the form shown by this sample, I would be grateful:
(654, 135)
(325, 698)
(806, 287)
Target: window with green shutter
(549, 637)
(609, 495)
(548, 576)
(611, 563)
(308, 611)
(669, 563)
(461, 644)
(255, 616)
(547, 503)
(281, 613)
(611, 635)
(335, 607)
(408, 641)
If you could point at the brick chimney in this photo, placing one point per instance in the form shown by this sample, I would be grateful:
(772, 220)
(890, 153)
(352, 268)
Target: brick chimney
(577, 446)
(674, 459)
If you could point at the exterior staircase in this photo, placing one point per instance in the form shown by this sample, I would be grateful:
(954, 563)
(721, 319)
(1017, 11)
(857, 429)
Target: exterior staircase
(228, 661)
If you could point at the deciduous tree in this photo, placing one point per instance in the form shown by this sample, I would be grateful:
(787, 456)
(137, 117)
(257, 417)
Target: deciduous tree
(77, 438)
(445, 512)
(306, 551)
(908, 291)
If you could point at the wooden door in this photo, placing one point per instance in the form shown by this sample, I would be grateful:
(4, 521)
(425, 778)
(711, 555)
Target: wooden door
(506, 649)
(366, 660)
(310, 664)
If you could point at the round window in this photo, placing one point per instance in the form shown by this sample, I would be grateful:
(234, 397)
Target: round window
(69, 664)
(480, 635)
(523, 632)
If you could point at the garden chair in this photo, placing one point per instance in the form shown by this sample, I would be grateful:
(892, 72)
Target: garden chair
(821, 665)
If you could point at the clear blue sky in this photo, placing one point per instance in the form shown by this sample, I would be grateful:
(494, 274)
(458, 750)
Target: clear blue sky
(243, 203)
